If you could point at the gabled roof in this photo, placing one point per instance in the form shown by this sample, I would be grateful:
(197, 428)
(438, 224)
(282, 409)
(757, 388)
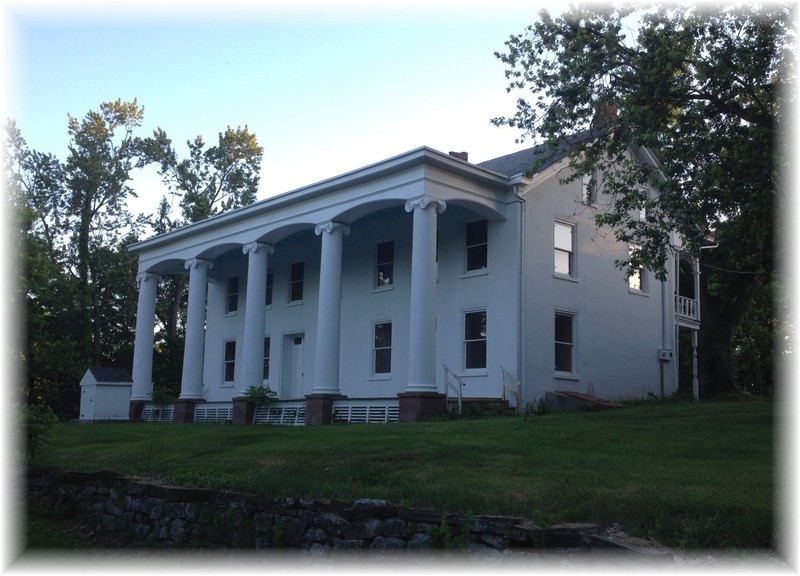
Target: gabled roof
(105, 374)
(522, 162)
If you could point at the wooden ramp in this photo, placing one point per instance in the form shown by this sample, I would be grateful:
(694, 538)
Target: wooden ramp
(568, 400)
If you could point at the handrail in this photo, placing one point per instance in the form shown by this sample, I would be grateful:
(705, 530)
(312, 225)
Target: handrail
(515, 390)
(448, 385)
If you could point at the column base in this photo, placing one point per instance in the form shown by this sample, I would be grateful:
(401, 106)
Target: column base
(243, 411)
(184, 410)
(136, 409)
(319, 409)
(419, 406)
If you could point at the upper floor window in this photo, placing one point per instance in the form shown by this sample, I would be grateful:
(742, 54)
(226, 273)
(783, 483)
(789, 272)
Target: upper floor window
(563, 242)
(296, 282)
(477, 245)
(382, 348)
(475, 340)
(384, 265)
(230, 360)
(232, 301)
(590, 183)
(565, 343)
(270, 280)
(637, 280)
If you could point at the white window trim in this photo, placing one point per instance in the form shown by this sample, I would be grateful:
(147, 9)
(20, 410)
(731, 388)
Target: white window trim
(560, 374)
(484, 371)
(573, 276)
(382, 376)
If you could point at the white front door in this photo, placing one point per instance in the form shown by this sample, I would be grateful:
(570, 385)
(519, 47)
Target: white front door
(292, 373)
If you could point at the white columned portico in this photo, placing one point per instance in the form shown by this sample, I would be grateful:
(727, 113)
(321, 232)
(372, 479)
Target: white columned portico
(422, 322)
(142, 388)
(329, 310)
(253, 341)
(192, 377)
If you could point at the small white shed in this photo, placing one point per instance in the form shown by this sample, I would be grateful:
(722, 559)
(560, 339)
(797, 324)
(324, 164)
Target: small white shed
(105, 394)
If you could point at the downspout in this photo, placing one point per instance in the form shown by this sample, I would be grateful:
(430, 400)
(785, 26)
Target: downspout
(522, 316)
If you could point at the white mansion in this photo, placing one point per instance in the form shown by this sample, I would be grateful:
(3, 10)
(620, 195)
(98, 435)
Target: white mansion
(419, 277)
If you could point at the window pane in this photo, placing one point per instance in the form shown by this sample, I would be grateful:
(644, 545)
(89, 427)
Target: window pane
(270, 279)
(230, 360)
(297, 271)
(383, 335)
(477, 257)
(385, 252)
(383, 361)
(475, 354)
(477, 233)
(296, 288)
(385, 274)
(562, 262)
(563, 357)
(475, 326)
(233, 294)
(562, 237)
(564, 328)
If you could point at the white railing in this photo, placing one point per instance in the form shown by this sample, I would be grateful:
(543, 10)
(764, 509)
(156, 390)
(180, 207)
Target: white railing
(457, 388)
(367, 411)
(687, 308)
(514, 386)
(292, 413)
(153, 413)
(213, 412)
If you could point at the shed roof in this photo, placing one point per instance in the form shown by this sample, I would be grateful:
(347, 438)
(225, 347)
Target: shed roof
(106, 374)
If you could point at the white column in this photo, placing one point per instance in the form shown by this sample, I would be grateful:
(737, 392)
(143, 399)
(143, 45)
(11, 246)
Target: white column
(422, 324)
(329, 311)
(143, 345)
(192, 377)
(252, 373)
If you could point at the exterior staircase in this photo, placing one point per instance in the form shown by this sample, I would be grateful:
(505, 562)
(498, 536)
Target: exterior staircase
(481, 407)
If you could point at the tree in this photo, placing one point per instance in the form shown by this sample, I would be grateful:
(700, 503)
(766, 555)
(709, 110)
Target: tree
(705, 89)
(210, 181)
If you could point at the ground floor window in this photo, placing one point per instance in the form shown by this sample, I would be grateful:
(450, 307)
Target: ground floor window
(475, 339)
(565, 342)
(230, 360)
(382, 348)
(266, 358)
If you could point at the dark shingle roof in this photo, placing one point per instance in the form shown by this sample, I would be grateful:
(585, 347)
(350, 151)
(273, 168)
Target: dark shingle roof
(104, 374)
(522, 162)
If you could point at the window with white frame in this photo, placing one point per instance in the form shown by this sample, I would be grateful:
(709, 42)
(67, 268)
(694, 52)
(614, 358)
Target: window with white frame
(475, 340)
(232, 300)
(384, 265)
(296, 279)
(477, 245)
(590, 184)
(637, 278)
(564, 253)
(230, 360)
(565, 342)
(382, 349)
(266, 358)
(270, 281)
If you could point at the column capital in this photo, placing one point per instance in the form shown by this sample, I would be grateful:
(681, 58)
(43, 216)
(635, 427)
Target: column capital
(196, 262)
(256, 246)
(143, 276)
(330, 226)
(423, 202)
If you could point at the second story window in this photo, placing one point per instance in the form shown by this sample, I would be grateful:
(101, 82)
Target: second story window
(296, 282)
(384, 269)
(477, 245)
(232, 301)
(563, 242)
(638, 279)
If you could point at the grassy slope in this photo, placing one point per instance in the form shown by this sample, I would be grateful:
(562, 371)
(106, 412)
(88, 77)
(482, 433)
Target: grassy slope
(685, 474)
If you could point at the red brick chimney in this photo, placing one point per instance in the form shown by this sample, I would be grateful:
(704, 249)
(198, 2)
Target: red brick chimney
(460, 155)
(606, 114)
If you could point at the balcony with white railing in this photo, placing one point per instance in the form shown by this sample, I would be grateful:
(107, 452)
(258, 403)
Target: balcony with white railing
(687, 309)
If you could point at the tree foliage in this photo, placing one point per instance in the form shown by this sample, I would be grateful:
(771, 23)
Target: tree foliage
(705, 90)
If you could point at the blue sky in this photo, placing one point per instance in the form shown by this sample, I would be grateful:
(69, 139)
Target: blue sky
(326, 87)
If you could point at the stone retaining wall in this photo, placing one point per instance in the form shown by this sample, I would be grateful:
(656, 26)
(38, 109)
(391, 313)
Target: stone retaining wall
(142, 512)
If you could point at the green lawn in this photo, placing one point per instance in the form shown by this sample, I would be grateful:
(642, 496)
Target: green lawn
(685, 474)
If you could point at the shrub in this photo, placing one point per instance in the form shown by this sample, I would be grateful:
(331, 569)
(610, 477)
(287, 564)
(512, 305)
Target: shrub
(39, 420)
(260, 395)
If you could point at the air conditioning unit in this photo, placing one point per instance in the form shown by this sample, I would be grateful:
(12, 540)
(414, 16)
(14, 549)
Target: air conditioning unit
(665, 355)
